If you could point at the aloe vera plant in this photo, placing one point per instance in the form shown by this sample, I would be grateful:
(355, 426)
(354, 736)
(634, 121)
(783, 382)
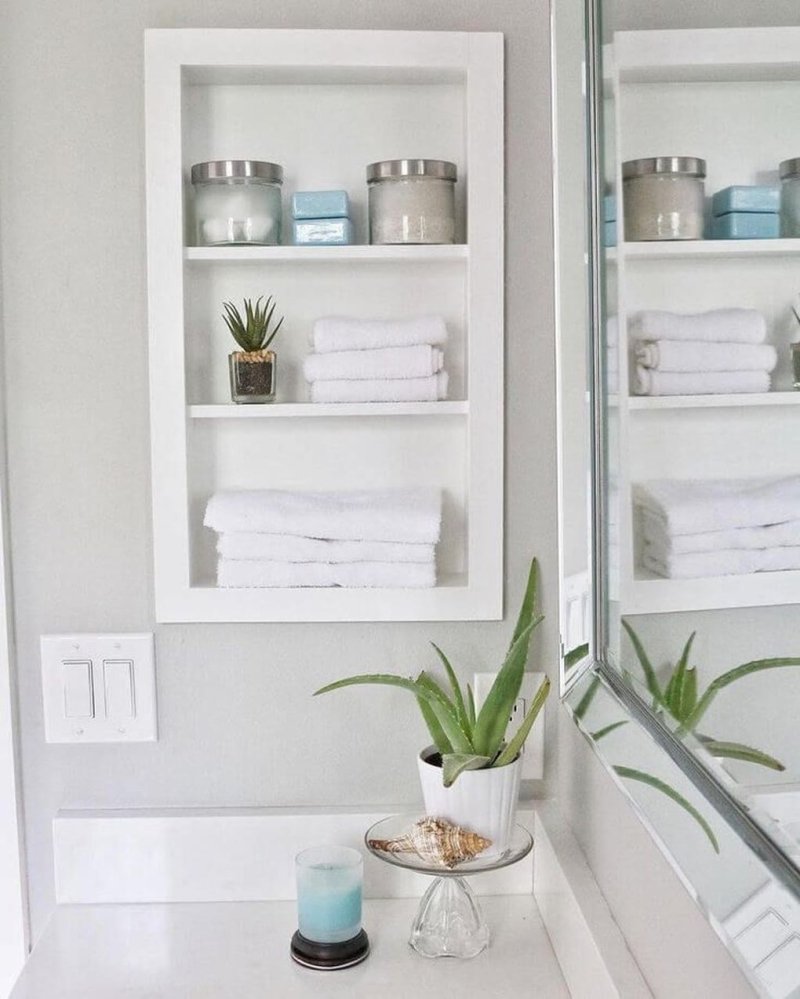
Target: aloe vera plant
(468, 739)
(681, 700)
(253, 331)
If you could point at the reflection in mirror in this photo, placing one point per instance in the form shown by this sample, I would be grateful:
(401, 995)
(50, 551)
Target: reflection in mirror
(757, 919)
(703, 487)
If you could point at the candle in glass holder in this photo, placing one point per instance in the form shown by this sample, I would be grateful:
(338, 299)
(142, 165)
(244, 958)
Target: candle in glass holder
(329, 891)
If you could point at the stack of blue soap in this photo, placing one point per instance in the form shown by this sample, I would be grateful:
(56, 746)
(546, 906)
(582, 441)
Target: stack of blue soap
(746, 212)
(610, 220)
(321, 218)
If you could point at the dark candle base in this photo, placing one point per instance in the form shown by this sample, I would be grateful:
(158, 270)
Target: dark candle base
(329, 956)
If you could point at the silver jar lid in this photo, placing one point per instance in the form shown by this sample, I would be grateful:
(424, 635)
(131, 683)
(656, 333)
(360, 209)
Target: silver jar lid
(687, 166)
(790, 168)
(392, 169)
(213, 170)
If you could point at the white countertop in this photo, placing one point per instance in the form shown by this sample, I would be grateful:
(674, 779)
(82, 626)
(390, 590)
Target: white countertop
(240, 950)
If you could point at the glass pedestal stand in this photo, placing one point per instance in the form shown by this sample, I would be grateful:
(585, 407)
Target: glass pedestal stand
(449, 921)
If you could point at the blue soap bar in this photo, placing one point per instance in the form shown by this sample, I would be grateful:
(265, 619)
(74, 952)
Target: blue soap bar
(610, 233)
(746, 225)
(320, 205)
(609, 207)
(322, 232)
(746, 198)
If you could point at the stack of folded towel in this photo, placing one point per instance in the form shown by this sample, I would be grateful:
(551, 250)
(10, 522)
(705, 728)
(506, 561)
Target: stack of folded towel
(721, 351)
(719, 527)
(358, 360)
(272, 538)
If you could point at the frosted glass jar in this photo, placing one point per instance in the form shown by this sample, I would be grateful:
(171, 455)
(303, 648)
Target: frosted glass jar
(790, 197)
(664, 197)
(237, 202)
(412, 201)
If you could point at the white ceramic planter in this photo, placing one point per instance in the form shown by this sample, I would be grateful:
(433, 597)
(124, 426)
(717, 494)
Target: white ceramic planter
(484, 801)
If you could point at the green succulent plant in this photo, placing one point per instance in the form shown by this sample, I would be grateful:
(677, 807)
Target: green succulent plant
(466, 739)
(681, 700)
(254, 332)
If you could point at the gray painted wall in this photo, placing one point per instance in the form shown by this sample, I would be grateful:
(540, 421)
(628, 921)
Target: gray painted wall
(237, 724)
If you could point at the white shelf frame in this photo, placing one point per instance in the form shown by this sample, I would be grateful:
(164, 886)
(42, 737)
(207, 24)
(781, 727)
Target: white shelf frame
(328, 254)
(175, 58)
(704, 249)
(741, 400)
(654, 595)
(327, 410)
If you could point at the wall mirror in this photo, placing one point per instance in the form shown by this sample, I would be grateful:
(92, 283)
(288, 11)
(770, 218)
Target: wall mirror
(679, 438)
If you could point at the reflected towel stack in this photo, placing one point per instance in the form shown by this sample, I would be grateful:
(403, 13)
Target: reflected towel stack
(358, 360)
(721, 351)
(371, 538)
(718, 527)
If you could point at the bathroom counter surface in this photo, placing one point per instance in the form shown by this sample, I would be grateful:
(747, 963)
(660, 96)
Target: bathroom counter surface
(220, 950)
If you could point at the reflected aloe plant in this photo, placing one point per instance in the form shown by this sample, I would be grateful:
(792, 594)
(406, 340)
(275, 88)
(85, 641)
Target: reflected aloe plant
(641, 776)
(681, 700)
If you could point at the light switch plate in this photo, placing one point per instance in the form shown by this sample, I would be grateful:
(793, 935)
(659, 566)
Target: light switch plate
(533, 750)
(99, 688)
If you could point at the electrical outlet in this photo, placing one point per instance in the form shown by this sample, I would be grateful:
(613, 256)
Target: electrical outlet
(533, 750)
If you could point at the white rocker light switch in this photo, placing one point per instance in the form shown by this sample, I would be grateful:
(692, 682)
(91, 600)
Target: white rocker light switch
(99, 688)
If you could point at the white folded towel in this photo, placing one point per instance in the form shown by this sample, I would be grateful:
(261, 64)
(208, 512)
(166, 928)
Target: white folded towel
(334, 333)
(385, 390)
(686, 506)
(412, 515)
(695, 356)
(420, 361)
(234, 573)
(289, 548)
(649, 382)
(662, 544)
(718, 325)
(734, 562)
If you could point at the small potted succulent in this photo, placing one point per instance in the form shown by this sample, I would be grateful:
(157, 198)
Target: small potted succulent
(470, 775)
(253, 368)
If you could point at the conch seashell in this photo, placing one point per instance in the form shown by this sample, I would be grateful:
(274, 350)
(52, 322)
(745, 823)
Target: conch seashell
(437, 842)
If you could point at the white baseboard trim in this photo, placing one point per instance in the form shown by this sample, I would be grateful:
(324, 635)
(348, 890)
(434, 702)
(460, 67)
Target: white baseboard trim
(594, 957)
(226, 855)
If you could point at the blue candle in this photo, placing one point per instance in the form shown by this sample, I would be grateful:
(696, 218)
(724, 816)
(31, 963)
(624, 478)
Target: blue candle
(329, 890)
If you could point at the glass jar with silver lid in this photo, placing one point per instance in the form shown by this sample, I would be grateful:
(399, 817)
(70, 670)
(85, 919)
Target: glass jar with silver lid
(237, 202)
(664, 197)
(789, 172)
(412, 201)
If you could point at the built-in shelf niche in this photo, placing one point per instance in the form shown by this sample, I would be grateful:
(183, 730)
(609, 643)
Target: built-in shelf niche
(324, 105)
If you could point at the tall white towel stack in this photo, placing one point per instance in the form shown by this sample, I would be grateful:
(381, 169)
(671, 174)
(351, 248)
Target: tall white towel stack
(721, 351)
(360, 360)
(718, 527)
(372, 538)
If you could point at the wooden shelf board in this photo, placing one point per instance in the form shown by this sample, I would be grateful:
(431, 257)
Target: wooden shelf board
(328, 254)
(285, 410)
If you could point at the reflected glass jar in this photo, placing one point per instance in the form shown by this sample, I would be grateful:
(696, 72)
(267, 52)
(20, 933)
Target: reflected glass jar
(664, 197)
(237, 202)
(790, 197)
(412, 201)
